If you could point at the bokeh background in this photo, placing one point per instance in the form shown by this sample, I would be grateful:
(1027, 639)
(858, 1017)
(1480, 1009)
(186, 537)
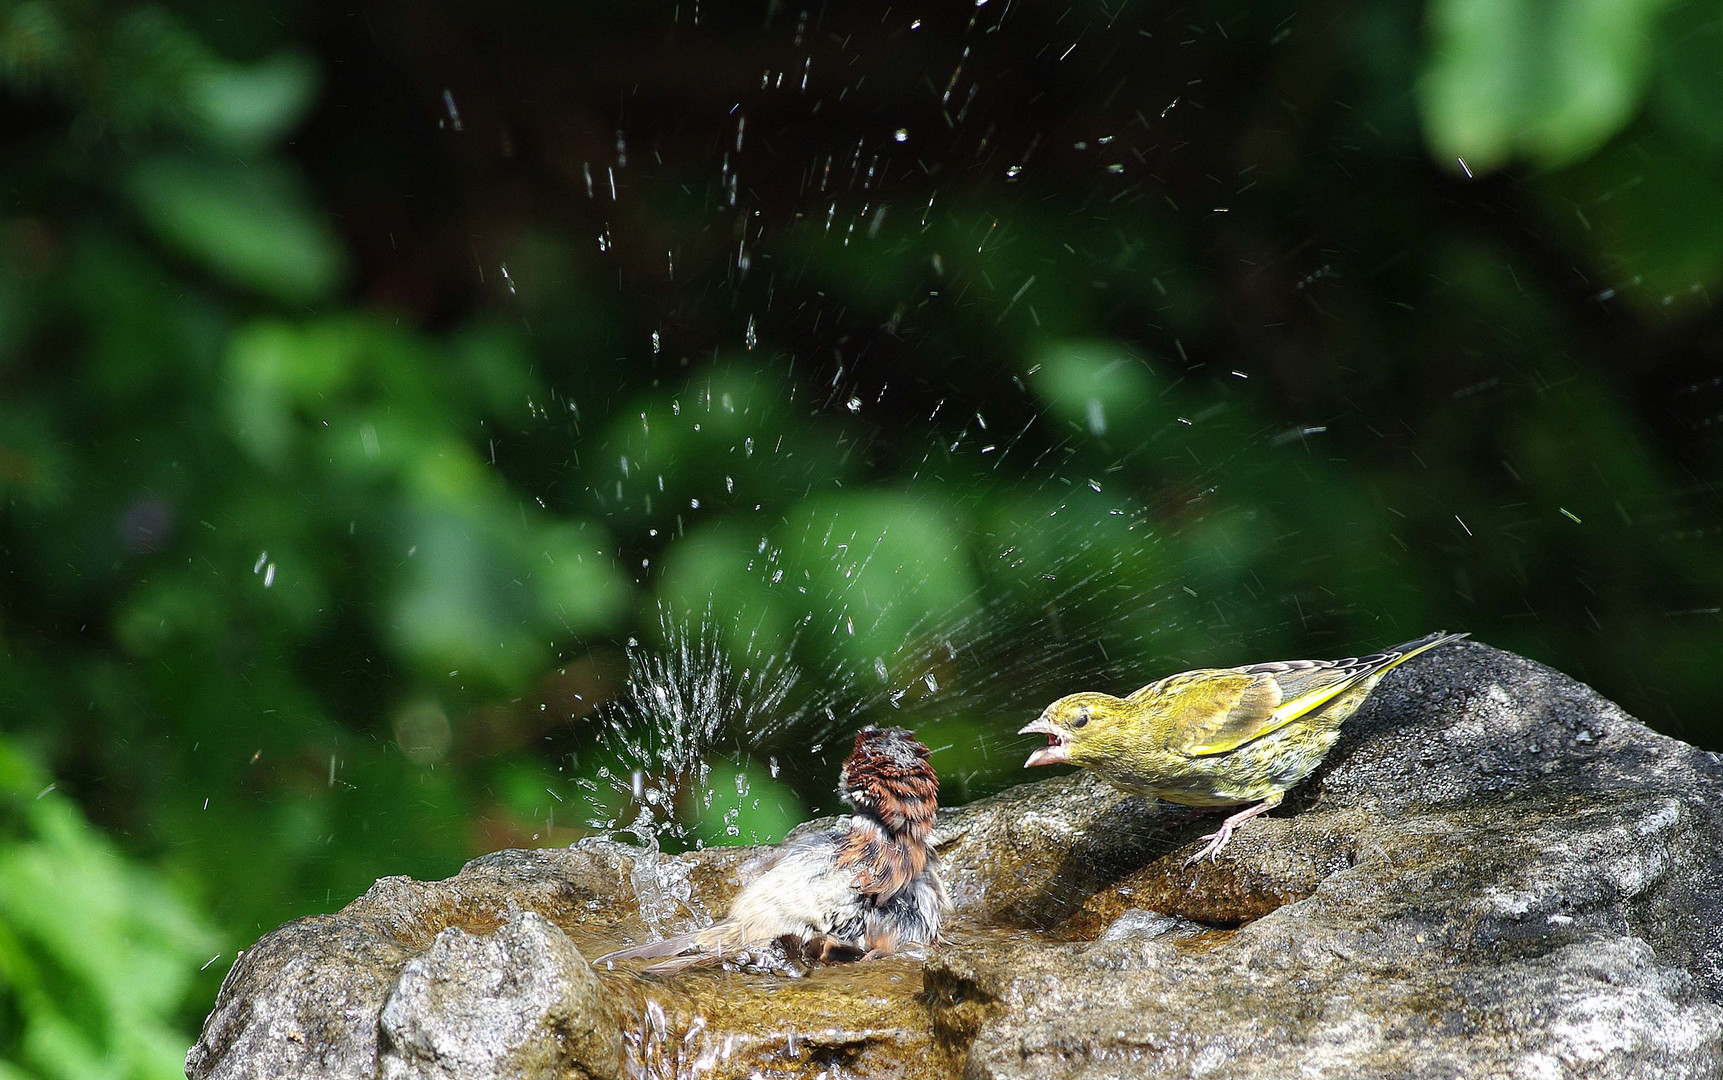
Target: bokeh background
(433, 427)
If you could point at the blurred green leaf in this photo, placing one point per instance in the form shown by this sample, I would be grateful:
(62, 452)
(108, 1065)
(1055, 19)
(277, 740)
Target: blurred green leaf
(1646, 210)
(1091, 384)
(249, 108)
(579, 588)
(250, 226)
(747, 806)
(1688, 96)
(1547, 80)
(884, 569)
(457, 607)
(719, 572)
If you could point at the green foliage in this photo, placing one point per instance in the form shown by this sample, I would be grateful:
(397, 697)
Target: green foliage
(246, 225)
(1547, 81)
(352, 451)
(97, 951)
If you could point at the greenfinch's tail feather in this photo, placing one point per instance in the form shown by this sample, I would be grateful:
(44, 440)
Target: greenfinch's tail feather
(1337, 677)
(1409, 649)
(1369, 667)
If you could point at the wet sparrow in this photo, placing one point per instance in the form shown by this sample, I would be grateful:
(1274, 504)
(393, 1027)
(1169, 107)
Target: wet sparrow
(869, 886)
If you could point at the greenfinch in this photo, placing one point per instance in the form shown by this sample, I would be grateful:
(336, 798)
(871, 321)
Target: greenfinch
(1218, 736)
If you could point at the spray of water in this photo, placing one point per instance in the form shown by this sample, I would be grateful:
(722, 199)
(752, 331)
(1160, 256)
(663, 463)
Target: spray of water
(680, 707)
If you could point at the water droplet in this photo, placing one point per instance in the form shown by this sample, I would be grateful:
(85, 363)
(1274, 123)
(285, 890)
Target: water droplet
(1097, 417)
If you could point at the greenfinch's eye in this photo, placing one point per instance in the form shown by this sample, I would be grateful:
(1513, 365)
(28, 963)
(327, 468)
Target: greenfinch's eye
(1082, 718)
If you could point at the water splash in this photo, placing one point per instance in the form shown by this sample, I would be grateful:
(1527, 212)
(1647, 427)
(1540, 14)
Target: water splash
(665, 729)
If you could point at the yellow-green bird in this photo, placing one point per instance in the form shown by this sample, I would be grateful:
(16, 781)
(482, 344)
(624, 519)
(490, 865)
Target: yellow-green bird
(1218, 736)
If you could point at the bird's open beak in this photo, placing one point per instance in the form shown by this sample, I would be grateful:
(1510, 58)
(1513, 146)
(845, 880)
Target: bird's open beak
(1058, 748)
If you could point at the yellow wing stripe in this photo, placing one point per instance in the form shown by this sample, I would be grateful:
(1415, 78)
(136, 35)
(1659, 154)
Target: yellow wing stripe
(1309, 703)
(1305, 704)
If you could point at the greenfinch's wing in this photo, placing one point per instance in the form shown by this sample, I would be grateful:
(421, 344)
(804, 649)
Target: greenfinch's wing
(1217, 711)
(1209, 712)
(1271, 696)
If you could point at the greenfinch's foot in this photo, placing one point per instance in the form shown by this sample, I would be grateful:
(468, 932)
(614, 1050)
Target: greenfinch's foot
(1223, 835)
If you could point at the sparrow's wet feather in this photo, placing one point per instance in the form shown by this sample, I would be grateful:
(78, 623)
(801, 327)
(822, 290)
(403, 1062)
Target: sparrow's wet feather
(870, 885)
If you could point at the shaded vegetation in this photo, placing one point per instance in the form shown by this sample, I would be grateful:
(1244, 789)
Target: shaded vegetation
(377, 386)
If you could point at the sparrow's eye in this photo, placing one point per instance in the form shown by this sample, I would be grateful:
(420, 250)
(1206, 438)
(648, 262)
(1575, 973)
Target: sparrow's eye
(1082, 718)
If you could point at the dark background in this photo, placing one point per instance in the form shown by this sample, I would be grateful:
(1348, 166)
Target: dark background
(427, 428)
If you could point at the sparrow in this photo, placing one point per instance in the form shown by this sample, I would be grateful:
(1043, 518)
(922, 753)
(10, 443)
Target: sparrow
(866, 887)
(1218, 736)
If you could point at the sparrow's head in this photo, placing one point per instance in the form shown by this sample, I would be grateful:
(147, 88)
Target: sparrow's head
(888, 775)
(1081, 729)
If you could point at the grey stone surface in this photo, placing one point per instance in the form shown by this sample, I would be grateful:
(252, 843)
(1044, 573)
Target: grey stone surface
(1496, 873)
(520, 1001)
(303, 1001)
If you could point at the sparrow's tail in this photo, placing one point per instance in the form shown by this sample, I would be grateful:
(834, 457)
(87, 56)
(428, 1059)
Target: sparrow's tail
(653, 950)
(680, 963)
(710, 942)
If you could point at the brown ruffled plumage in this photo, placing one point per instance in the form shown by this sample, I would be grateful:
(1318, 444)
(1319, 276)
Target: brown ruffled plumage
(867, 887)
(896, 795)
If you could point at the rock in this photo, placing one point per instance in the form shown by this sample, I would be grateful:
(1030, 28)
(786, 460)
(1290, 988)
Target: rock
(303, 1001)
(1495, 873)
(520, 1001)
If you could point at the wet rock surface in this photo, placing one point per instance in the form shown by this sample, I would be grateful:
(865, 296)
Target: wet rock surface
(1495, 873)
(520, 1001)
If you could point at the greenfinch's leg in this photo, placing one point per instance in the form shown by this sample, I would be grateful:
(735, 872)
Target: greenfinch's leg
(1221, 836)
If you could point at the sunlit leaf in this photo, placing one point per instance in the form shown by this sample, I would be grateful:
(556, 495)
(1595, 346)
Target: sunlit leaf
(252, 107)
(1091, 385)
(1547, 81)
(93, 979)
